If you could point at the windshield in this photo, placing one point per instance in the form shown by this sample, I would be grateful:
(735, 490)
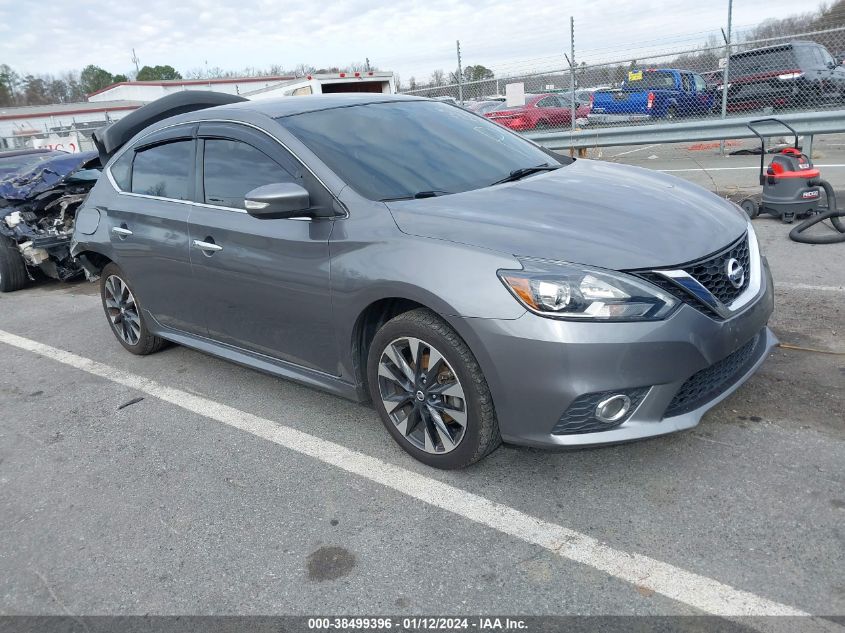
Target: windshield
(398, 149)
(649, 80)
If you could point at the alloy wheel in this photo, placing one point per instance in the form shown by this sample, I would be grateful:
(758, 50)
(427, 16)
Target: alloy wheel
(122, 310)
(422, 395)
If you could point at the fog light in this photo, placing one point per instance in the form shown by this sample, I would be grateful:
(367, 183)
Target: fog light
(613, 408)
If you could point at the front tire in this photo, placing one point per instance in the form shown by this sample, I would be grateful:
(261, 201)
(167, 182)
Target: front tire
(12, 266)
(124, 313)
(430, 392)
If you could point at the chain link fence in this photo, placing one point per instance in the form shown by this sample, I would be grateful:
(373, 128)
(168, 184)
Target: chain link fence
(790, 73)
(73, 138)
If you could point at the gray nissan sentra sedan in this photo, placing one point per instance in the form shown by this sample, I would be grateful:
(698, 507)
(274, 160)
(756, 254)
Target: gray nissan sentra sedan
(476, 287)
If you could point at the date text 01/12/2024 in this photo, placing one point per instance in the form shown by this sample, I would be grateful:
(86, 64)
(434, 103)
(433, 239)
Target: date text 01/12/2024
(419, 623)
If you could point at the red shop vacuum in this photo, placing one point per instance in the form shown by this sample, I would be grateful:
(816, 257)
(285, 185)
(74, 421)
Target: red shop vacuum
(792, 189)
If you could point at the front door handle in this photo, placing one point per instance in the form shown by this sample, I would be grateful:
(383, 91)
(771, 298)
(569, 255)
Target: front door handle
(121, 231)
(207, 246)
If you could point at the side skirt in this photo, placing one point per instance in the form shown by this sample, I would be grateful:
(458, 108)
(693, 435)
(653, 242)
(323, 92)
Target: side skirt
(260, 362)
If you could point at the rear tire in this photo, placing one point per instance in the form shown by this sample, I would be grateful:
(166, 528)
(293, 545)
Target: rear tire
(12, 266)
(124, 313)
(442, 412)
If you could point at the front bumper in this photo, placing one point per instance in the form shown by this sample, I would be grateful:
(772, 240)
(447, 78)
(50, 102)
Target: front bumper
(536, 367)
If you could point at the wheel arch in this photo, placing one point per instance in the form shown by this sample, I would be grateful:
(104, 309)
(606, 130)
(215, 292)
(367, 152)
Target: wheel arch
(369, 321)
(93, 261)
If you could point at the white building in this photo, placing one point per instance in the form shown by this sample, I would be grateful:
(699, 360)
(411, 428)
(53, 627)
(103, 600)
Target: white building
(20, 125)
(152, 90)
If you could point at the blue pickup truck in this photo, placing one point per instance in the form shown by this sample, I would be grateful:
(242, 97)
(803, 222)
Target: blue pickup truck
(662, 93)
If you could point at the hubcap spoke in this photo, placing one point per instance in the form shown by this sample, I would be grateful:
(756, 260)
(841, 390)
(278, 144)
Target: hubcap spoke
(458, 415)
(441, 429)
(395, 375)
(399, 361)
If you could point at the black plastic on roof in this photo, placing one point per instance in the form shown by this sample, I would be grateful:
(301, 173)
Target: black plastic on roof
(112, 137)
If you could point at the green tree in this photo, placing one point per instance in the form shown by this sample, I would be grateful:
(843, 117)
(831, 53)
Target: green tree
(35, 91)
(157, 73)
(9, 81)
(93, 78)
(477, 73)
(119, 79)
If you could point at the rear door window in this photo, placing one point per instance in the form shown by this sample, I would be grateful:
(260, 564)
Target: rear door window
(164, 170)
(231, 169)
(764, 61)
(650, 80)
(686, 84)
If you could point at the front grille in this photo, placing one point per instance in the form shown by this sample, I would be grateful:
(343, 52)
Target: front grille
(708, 383)
(580, 416)
(710, 272)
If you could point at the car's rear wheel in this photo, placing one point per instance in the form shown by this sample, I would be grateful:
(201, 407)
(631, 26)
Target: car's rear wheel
(430, 392)
(12, 267)
(124, 313)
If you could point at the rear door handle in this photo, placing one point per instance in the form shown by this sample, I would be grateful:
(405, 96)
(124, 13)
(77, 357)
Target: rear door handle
(207, 246)
(121, 231)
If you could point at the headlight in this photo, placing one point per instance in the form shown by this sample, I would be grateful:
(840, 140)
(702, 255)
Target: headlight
(571, 291)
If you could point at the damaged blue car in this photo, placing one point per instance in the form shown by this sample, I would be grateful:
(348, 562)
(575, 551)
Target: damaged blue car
(37, 209)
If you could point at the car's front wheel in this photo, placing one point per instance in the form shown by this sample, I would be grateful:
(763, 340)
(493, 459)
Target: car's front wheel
(124, 313)
(430, 392)
(12, 267)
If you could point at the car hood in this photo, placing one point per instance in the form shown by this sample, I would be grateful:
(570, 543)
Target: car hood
(49, 174)
(589, 212)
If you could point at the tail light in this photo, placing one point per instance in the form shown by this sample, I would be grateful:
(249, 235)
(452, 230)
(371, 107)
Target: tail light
(650, 102)
(592, 98)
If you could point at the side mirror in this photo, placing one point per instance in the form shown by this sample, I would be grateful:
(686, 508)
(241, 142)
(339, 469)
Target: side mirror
(276, 201)
(831, 65)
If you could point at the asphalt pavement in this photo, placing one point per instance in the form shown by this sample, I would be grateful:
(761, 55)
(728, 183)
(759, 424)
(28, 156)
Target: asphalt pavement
(180, 483)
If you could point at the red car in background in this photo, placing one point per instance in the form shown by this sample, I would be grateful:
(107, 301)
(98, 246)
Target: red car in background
(540, 111)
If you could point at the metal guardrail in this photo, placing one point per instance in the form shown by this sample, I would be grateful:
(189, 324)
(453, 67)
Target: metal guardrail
(807, 124)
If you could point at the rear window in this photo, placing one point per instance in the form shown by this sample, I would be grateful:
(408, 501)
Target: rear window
(649, 80)
(763, 61)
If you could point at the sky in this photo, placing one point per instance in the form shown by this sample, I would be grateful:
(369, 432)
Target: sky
(410, 37)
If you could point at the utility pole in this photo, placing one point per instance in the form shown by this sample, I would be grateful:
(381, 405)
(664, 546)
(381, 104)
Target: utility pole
(572, 71)
(368, 64)
(726, 72)
(135, 61)
(460, 75)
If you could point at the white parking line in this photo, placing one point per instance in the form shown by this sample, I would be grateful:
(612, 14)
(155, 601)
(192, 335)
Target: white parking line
(631, 151)
(799, 286)
(757, 168)
(700, 592)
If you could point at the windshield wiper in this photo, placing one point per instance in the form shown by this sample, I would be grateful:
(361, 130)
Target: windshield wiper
(522, 172)
(420, 194)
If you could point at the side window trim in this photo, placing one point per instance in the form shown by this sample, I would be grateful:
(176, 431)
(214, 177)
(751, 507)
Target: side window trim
(177, 132)
(302, 167)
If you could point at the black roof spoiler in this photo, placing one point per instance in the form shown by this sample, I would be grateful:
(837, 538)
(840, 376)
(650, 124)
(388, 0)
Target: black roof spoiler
(112, 137)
